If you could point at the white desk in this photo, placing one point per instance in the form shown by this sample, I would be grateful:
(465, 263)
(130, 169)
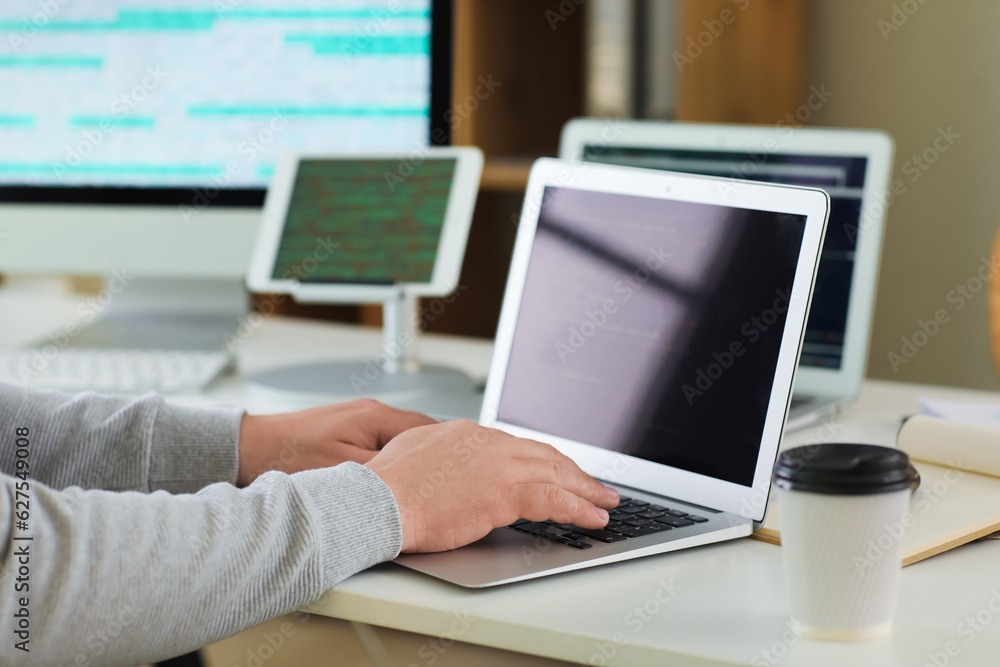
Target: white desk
(730, 603)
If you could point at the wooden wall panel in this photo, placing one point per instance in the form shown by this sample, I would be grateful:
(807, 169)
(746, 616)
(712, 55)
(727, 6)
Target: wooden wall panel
(534, 50)
(740, 61)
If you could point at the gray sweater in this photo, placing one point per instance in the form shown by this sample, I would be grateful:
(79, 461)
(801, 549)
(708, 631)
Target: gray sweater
(138, 547)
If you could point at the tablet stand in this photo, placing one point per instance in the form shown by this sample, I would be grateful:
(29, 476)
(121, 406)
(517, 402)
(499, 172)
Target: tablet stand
(394, 374)
(399, 334)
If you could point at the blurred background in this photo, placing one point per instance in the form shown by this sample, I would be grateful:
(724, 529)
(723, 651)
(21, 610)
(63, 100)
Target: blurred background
(923, 70)
(919, 70)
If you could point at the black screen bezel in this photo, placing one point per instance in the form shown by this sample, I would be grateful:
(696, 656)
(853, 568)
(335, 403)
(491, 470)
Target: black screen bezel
(439, 134)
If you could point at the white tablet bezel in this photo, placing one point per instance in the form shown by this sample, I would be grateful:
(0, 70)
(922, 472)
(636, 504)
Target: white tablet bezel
(750, 501)
(874, 145)
(451, 249)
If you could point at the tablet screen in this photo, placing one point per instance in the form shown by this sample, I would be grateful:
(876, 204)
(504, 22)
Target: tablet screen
(365, 221)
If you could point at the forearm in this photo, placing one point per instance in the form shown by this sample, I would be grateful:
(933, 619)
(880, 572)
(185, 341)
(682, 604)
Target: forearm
(113, 443)
(179, 572)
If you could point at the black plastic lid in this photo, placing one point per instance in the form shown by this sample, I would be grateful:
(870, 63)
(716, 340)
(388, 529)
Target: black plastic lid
(845, 469)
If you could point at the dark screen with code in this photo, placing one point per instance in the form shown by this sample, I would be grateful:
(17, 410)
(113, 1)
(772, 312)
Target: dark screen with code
(373, 221)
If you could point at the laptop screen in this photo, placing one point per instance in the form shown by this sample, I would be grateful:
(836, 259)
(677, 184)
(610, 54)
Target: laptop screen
(843, 179)
(652, 327)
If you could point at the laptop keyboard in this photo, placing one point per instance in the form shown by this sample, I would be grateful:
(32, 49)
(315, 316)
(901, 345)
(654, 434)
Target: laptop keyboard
(632, 518)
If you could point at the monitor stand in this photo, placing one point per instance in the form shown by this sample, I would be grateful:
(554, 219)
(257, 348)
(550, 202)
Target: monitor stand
(162, 314)
(394, 375)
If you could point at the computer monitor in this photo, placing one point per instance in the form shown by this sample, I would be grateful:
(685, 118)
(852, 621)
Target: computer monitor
(141, 136)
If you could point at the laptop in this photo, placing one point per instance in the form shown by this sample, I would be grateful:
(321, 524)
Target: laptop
(852, 166)
(650, 330)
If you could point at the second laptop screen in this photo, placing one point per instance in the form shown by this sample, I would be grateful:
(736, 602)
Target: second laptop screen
(843, 178)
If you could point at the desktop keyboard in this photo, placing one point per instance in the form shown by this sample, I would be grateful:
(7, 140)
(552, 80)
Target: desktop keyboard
(114, 371)
(632, 518)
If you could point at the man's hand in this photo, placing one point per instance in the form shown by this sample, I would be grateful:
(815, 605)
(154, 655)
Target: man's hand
(319, 437)
(455, 482)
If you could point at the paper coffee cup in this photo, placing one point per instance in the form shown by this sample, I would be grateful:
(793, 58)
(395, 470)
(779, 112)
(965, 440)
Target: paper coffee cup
(842, 511)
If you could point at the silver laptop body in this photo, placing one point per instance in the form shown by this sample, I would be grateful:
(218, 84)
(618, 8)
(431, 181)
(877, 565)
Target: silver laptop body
(629, 289)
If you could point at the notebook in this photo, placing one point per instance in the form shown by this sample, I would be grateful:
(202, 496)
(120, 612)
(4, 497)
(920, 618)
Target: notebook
(959, 496)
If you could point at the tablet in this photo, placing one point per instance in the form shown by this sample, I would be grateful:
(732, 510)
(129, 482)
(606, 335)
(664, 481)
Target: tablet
(366, 227)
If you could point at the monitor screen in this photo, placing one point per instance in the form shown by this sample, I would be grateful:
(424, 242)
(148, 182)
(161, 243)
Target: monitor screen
(383, 229)
(163, 101)
(652, 327)
(841, 177)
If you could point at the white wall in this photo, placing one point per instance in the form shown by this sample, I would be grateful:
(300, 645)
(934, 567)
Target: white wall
(939, 70)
